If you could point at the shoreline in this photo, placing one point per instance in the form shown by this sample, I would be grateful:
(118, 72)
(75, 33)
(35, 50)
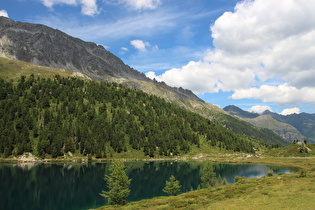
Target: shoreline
(298, 162)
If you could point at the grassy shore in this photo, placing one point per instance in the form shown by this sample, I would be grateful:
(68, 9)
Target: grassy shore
(285, 191)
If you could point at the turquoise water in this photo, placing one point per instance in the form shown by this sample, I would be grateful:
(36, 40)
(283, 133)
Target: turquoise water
(77, 186)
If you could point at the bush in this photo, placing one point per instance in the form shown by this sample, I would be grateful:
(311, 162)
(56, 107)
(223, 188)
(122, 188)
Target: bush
(270, 173)
(172, 186)
(303, 173)
(89, 157)
(239, 179)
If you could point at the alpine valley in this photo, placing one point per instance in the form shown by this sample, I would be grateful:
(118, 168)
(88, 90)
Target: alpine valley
(60, 96)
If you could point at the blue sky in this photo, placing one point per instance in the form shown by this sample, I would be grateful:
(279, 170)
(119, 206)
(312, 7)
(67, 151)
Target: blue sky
(255, 54)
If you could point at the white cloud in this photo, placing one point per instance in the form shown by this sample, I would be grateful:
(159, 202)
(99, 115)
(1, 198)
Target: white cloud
(89, 7)
(260, 109)
(290, 111)
(140, 45)
(281, 94)
(142, 25)
(278, 44)
(51, 3)
(204, 77)
(151, 75)
(141, 4)
(4, 13)
(139, 24)
(261, 41)
(123, 50)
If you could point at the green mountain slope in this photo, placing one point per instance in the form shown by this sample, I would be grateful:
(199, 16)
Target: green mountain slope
(11, 69)
(303, 122)
(51, 117)
(285, 130)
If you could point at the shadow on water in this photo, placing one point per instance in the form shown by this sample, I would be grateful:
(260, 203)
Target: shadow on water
(77, 186)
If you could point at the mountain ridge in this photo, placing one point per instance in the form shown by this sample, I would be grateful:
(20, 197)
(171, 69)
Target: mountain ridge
(234, 110)
(44, 46)
(295, 126)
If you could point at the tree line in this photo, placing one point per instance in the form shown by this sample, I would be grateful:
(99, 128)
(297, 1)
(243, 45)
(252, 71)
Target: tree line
(51, 117)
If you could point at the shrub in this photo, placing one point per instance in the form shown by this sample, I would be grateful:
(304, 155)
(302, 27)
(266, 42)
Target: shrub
(172, 186)
(303, 173)
(239, 179)
(270, 173)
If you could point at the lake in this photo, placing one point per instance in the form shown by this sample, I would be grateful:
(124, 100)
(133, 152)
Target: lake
(77, 186)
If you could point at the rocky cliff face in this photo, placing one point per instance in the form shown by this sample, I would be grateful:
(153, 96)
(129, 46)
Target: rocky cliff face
(45, 46)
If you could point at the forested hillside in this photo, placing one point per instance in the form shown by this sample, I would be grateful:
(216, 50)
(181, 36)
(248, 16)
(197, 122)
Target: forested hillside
(42, 45)
(51, 117)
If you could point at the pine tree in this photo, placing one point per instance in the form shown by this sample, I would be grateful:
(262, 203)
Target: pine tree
(117, 183)
(172, 186)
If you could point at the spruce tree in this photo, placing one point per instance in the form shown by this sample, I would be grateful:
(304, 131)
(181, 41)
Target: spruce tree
(172, 186)
(208, 177)
(117, 184)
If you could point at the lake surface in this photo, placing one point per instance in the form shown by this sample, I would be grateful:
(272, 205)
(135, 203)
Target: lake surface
(77, 186)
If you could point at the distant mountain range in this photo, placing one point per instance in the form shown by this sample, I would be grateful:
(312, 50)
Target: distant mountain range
(290, 127)
(44, 46)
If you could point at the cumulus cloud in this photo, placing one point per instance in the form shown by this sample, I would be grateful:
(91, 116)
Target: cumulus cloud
(141, 4)
(259, 109)
(290, 111)
(140, 45)
(204, 77)
(260, 41)
(89, 7)
(281, 94)
(4, 13)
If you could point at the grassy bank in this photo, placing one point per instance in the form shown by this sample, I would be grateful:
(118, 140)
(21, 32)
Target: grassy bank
(279, 156)
(285, 191)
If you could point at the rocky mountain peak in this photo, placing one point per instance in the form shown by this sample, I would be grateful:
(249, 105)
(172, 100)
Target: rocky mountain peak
(234, 110)
(45, 46)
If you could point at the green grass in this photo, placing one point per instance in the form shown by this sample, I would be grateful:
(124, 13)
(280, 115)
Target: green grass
(291, 150)
(14, 69)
